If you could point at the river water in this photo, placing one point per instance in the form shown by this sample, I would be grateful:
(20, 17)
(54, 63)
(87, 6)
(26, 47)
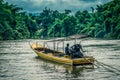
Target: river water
(19, 62)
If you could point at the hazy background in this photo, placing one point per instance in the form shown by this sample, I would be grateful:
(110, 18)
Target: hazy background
(36, 6)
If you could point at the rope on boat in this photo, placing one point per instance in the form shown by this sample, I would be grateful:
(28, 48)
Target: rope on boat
(90, 62)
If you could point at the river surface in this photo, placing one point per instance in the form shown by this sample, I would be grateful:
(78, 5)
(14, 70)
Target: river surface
(19, 62)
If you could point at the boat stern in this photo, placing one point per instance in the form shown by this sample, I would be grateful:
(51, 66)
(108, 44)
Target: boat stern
(83, 61)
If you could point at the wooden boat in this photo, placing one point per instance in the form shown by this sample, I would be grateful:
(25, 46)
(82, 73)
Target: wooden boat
(60, 57)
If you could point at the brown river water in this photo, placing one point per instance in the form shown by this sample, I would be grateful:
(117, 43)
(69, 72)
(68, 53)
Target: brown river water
(19, 62)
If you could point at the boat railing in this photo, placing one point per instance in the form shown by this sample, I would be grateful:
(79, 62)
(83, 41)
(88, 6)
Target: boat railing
(55, 45)
(45, 44)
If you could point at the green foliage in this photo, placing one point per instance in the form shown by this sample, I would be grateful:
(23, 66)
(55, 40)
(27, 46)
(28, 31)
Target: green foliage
(8, 32)
(100, 34)
(12, 22)
(16, 24)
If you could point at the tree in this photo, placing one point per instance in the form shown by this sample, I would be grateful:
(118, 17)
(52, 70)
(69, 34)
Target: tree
(67, 11)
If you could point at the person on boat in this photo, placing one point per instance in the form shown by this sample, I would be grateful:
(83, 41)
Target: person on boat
(67, 49)
(76, 51)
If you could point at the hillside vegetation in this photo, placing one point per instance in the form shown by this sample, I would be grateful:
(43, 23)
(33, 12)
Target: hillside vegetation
(103, 22)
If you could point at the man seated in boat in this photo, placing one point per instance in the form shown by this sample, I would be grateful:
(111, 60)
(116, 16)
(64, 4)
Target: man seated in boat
(76, 51)
(67, 52)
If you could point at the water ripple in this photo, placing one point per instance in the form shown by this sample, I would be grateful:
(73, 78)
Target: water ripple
(19, 62)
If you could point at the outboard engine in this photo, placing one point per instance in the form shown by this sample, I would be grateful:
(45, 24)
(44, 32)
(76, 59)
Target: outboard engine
(75, 51)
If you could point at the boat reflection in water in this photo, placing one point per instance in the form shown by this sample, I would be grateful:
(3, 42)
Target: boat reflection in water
(69, 70)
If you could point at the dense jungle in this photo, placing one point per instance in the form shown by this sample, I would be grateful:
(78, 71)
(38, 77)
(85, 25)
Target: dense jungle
(102, 22)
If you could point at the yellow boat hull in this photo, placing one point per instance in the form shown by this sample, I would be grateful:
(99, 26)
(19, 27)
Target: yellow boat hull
(52, 56)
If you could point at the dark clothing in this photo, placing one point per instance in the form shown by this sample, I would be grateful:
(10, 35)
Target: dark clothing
(77, 55)
(75, 50)
(67, 50)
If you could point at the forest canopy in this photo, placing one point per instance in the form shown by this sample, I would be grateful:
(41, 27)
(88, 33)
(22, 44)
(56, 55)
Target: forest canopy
(103, 22)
